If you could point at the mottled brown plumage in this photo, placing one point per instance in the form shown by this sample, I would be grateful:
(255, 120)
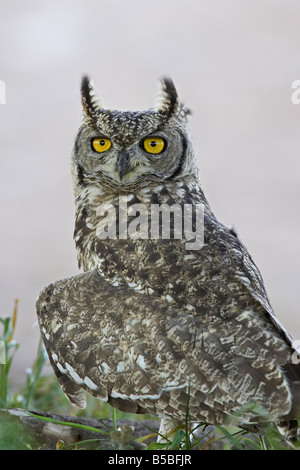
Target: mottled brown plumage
(152, 326)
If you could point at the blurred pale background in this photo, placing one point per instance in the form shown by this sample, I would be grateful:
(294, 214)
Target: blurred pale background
(233, 63)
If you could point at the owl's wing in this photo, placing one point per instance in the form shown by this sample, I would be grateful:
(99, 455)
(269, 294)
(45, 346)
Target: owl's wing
(100, 337)
(139, 353)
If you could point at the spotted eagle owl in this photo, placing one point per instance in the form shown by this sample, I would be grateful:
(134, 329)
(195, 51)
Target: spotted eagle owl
(160, 322)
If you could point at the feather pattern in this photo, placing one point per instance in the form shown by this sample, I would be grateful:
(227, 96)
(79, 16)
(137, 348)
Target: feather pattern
(152, 325)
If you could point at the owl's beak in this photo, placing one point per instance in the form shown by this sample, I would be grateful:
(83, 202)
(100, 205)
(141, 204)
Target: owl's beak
(124, 165)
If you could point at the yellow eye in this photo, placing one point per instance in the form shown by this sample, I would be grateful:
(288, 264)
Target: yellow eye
(154, 144)
(101, 144)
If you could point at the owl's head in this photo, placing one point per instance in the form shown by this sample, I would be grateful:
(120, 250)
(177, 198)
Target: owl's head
(121, 151)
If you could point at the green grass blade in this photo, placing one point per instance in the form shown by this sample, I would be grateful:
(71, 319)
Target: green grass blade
(230, 437)
(70, 424)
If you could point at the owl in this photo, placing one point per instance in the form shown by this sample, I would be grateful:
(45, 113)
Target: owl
(170, 315)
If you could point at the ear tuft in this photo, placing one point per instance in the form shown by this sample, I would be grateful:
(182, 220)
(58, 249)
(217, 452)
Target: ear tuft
(167, 98)
(167, 101)
(90, 103)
